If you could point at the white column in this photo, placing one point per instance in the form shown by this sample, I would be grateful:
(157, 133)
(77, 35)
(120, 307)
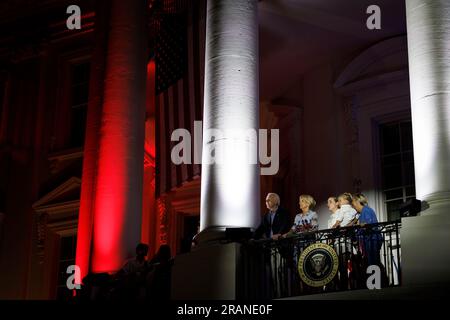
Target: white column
(425, 240)
(230, 192)
(428, 24)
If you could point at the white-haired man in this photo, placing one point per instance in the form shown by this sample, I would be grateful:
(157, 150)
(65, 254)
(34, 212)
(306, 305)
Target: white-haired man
(275, 222)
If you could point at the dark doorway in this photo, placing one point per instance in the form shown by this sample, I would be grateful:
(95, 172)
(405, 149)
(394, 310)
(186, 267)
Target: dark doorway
(190, 225)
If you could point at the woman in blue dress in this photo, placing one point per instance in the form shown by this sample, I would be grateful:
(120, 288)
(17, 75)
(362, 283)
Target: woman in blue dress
(371, 239)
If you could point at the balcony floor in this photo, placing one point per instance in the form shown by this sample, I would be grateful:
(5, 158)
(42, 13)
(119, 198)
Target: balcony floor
(423, 292)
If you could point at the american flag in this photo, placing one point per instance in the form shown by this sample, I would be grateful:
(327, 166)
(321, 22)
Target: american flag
(179, 89)
(171, 51)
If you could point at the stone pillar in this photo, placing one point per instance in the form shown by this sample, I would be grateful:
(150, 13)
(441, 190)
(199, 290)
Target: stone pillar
(230, 191)
(429, 68)
(118, 188)
(426, 239)
(91, 141)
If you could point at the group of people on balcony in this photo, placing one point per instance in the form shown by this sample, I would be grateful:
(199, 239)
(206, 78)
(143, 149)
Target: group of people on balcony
(346, 210)
(357, 248)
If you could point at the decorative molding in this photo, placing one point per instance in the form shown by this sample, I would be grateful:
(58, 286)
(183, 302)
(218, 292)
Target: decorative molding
(41, 234)
(44, 204)
(65, 155)
(27, 51)
(59, 31)
(60, 217)
(355, 69)
(58, 159)
(373, 81)
(163, 219)
(63, 228)
(59, 208)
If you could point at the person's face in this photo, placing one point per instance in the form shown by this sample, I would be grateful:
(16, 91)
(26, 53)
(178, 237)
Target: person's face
(304, 205)
(358, 207)
(332, 205)
(342, 201)
(271, 202)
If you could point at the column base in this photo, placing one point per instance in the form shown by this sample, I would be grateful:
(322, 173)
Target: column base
(207, 273)
(210, 236)
(215, 235)
(425, 243)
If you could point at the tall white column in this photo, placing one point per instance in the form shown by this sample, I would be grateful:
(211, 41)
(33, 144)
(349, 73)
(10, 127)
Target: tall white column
(428, 23)
(230, 189)
(425, 240)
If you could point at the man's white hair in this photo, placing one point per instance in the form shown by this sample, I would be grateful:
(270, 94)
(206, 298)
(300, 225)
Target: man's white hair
(277, 197)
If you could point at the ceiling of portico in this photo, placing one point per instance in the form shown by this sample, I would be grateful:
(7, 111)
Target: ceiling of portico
(297, 35)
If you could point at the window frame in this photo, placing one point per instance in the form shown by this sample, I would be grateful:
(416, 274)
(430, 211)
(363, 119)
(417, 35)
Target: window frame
(63, 113)
(397, 118)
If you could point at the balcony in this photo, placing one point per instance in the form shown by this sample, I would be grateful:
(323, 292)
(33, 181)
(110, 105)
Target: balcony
(269, 269)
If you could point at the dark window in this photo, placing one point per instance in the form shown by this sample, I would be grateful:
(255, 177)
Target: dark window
(78, 102)
(66, 258)
(397, 165)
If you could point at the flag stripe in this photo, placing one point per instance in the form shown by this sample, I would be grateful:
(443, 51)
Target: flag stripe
(176, 174)
(172, 168)
(181, 104)
(182, 124)
(167, 162)
(188, 125)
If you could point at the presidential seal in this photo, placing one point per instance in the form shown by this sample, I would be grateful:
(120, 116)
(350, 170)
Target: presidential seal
(318, 264)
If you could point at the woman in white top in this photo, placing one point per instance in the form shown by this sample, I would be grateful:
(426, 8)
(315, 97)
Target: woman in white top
(333, 206)
(307, 220)
(346, 215)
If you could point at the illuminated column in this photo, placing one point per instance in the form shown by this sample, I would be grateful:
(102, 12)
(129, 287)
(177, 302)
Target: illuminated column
(429, 69)
(118, 189)
(90, 150)
(230, 192)
(425, 240)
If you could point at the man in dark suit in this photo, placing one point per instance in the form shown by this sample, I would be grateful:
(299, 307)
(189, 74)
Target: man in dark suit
(275, 222)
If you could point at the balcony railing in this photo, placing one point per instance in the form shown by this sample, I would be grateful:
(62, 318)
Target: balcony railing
(269, 269)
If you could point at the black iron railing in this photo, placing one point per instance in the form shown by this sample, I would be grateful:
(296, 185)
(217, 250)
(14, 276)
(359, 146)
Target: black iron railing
(269, 269)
